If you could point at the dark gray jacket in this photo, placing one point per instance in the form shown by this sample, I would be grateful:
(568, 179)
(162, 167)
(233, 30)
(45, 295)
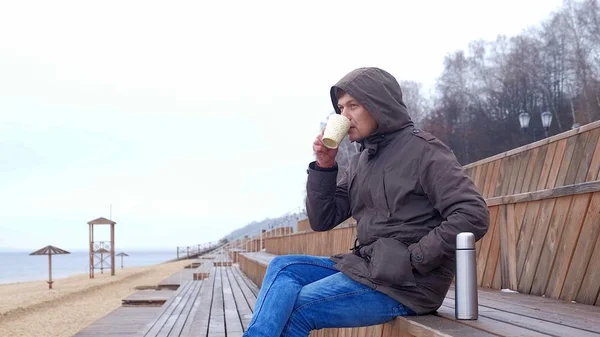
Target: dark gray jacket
(409, 195)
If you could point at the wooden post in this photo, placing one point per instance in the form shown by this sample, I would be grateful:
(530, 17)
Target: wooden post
(177, 252)
(50, 270)
(92, 251)
(112, 250)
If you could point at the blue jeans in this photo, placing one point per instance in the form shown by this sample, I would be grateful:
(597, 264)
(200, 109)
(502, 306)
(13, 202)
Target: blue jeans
(301, 293)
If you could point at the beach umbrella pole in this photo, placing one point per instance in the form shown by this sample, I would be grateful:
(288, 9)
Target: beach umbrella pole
(50, 270)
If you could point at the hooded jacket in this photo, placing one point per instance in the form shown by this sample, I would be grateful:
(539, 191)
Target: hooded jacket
(409, 196)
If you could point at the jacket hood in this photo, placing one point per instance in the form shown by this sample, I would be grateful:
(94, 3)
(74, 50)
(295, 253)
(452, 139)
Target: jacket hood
(381, 95)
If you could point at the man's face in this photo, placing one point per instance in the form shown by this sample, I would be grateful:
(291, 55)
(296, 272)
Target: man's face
(362, 123)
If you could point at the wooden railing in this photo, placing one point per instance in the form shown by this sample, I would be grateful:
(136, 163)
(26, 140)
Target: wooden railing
(541, 243)
(568, 158)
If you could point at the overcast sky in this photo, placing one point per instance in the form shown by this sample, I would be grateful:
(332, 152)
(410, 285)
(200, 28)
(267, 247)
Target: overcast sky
(193, 118)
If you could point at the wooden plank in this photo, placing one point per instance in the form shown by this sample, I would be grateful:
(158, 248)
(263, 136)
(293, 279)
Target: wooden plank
(543, 304)
(594, 167)
(590, 287)
(481, 172)
(526, 234)
(509, 167)
(524, 165)
(154, 327)
(523, 160)
(490, 325)
(494, 179)
(556, 163)
(533, 159)
(588, 187)
(124, 321)
(566, 161)
(577, 158)
(588, 154)
(502, 173)
(544, 175)
(516, 163)
(199, 320)
(508, 247)
(583, 250)
(566, 247)
(233, 321)
(486, 243)
(488, 179)
(537, 308)
(243, 305)
(177, 318)
(550, 248)
(538, 166)
(216, 325)
(431, 326)
(532, 323)
(537, 244)
(497, 281)
(494, 254)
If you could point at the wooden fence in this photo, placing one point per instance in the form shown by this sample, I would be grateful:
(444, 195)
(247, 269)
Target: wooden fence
(568, 158)
(541, 243)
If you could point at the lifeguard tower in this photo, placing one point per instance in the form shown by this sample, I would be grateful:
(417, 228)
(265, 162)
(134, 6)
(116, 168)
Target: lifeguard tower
(99, 248)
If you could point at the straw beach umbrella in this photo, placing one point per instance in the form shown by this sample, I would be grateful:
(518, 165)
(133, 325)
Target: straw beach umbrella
(49, 250)
(121, 255)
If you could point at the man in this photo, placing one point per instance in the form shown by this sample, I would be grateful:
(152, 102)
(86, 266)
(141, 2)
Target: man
(410, 198)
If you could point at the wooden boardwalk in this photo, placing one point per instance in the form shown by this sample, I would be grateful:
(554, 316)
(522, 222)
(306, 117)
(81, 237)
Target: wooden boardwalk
(218, 306)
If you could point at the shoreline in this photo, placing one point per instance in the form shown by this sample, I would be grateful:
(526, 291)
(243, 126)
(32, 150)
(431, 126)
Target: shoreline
(44, 272)
(31, 309)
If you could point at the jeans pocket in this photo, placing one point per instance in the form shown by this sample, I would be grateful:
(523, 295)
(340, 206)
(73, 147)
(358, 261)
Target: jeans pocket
(390, 264)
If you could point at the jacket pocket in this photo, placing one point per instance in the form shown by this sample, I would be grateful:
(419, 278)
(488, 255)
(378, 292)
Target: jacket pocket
(389, 263)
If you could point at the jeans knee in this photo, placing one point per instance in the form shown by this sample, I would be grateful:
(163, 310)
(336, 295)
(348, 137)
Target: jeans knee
(280, 262)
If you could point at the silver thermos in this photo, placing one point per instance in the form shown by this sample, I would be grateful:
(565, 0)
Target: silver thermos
(465, 289)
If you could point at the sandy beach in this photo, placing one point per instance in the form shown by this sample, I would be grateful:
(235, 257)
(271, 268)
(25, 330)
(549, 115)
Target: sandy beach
(31, 309)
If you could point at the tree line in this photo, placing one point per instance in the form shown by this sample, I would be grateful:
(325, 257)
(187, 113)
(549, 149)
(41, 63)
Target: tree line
(553, 67)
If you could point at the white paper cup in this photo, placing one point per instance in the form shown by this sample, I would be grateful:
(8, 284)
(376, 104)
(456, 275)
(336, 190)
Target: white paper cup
(336, 129)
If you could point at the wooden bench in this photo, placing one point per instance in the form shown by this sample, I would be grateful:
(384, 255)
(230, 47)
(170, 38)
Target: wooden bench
(500, 314)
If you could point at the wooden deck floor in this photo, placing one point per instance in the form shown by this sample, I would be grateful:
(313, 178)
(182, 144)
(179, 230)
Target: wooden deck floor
(125, 321)
(219, 306)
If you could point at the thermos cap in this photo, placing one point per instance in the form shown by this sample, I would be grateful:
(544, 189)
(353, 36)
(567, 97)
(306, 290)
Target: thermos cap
(465, 240)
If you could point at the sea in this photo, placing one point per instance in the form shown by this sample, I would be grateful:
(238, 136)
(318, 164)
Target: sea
(22, 267)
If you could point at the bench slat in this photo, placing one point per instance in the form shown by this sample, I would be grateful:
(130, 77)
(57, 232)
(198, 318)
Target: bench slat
(155, 326)
(492, 326)
(186, 313)
(544, 326)
(233, 324)
(549, 313)
(197, 325)
(216, 325)
(243, 307)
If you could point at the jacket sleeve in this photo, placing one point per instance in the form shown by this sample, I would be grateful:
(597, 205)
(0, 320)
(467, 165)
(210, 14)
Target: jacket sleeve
(327, 203)
(453, 194)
